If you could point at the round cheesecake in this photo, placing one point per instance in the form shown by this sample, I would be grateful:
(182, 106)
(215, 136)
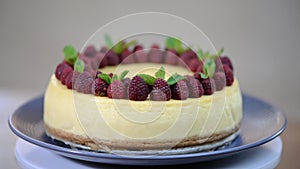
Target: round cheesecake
(102, 123)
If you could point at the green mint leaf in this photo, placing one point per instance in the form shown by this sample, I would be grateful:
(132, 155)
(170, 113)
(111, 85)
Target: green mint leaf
(131, 43)
(170, 43)
(114, 78)
(147, 78)
(200, 54)
(118, 48)
(160, 73)
(210, 67)
(70, 54)
(105, 77)
(203, 76)
(220, 52)
(123, 74)
(174, 79)
(79, 66)
(108, 41)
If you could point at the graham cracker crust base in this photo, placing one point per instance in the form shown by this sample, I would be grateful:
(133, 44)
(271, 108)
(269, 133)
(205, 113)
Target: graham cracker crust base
(100, 144)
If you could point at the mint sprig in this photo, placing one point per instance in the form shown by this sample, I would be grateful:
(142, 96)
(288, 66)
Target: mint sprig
(160, 73)
(209, 69)
(173, 43)
(115, 77)
(174, 79)
(79, 65)
(119, 47)
(147, 78)
(70, 54)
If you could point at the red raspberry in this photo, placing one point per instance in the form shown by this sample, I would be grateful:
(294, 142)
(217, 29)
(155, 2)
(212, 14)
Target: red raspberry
(155, 54)
(69, 80)
(112, 58)
(171, 57)
(209, 86)
(139, 54)
(64, 74)
(193, 64)
(226, 61)
(161, 91)
(229, 75)
(90, 51)
(188, 55)
(180, 90)
(138, 89)
(220, 80)
(127, 57)
(126, 82)
(116, 90)
(83, 83)
(200, 67)
(195, 88)
(59, 69)
(99, 87)
(100, 60)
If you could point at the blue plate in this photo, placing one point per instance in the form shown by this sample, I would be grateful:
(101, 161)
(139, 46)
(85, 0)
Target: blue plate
(261, 124)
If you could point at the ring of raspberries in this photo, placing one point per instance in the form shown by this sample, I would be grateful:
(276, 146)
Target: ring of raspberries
(81, 72)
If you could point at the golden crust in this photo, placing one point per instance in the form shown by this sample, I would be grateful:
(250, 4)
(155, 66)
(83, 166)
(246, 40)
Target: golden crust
(98, 144)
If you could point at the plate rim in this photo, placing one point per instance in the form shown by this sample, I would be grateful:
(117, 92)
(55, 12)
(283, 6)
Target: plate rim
(104, 155)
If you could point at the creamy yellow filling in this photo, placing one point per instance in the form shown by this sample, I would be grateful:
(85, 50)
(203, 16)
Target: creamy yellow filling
(112, 119)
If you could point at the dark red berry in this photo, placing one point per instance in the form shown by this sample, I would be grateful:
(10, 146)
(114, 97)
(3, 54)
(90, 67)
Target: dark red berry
(229, 75)
(161, 91)
(101, 60)
(155, 54)
(116, 90)
(110, 75)
(112, 58)
(209, 86)
(171, 57)
(83, 83)
(193, 64)
(69, 80)
(188, 55)
(59, 69)
(127, 57)
(220, 80)
(64, 74)
(226, 61)
(195, 87)
(99, 87)
(90, 51)
(126, 82)
(138, 89)
(180, 90)
(139, 54)
(103, 49)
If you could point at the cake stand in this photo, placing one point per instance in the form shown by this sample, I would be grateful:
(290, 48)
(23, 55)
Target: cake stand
(266, 156)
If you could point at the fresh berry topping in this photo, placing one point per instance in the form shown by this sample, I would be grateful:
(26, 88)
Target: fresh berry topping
(90, 51)
(226, 61)
(116, 90)
(83, 83)
(139, 54)
(220, 80)
(193, 64)
(126, 83)
(229, 75)
(138, 89)
(103, 49)
(64, 74)
(171, 57)
(112, 58)
(59, 69)
(99, 87)
(126, 57)
(209, 86)
(101, 60)
(69, 80)
(188, 55)
(195, 88)
(180, 90)
(155, 54)
(161, 91)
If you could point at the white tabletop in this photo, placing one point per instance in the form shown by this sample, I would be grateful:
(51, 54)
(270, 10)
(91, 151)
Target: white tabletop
(267, 156)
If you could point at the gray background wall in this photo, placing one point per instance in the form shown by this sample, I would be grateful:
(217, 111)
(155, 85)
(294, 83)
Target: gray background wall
(263, 37)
